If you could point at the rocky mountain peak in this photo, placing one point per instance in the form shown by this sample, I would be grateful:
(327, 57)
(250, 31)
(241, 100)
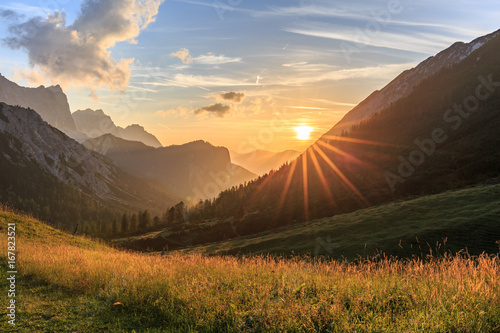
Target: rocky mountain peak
(404, 83)
(95, 123)
(50, 103)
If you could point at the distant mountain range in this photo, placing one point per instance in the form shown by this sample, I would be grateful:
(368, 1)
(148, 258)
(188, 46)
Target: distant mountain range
(192, 171)
(261, 162)
(35, 152)
(96, 123)
(52, 105)
(46, 172)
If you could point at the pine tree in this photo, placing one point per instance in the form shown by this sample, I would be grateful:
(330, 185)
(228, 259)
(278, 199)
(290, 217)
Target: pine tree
(133, 223)
(125, 225)
(156, 221)
(144, 220)
(114, 228)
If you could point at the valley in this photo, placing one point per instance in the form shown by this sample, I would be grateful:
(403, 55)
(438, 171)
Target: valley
(253, 168)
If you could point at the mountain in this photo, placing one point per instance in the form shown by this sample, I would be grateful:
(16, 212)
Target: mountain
(261, 162)
(193, 171)
(50, 103)
(46, 172)
(406, 82)
(96, 123)
(442, 135)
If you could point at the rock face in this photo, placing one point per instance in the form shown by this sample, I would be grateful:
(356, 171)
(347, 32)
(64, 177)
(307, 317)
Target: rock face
(32, 140)
(96, 123)
(404, 84)
(193, 171)
(50, 103)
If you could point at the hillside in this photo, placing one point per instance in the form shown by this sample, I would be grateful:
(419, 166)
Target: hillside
(69, 283)
(56, 178)
(404, 84)
(452, 221)
(402, 228)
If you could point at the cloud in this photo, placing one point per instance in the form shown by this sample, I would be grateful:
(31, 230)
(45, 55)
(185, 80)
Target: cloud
(220, 110)
(418, 42)
(180, 112)
(206, 59)
(231, 96)
(184, 55)
(187, 80)
(212, 59)
(10, 15)
(78, 54)
(33, 77)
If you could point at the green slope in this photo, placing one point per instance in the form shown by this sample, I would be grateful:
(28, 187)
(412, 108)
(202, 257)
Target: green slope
(464, 219)
(72, 284)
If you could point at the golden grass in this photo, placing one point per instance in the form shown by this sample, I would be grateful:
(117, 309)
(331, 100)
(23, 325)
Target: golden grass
(215, 294)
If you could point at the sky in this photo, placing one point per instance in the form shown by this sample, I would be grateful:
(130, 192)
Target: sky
(244, 74)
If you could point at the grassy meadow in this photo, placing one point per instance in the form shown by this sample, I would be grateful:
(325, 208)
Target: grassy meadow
(73, 284)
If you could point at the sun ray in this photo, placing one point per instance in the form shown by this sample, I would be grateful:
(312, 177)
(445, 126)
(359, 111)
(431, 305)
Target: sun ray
(321, 175)
(261, 186)
(305, 186)
(361, 141)
(340, 174)
(343, 153)
(287, 186)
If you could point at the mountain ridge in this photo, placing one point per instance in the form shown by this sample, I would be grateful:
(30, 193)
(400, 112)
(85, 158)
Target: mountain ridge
(405, 82)
(94, 123)
(195, 170)
(51, 103)
(33, 148)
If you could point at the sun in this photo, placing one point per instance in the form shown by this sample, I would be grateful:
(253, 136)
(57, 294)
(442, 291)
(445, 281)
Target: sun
(303, 132)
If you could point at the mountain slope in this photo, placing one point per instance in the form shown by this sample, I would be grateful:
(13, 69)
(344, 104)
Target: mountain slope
(261, 162)
(96, 123)
(405, 83)
(441, 136)
(467, 218)
(193, 171)
(50, 103)
(35, 154)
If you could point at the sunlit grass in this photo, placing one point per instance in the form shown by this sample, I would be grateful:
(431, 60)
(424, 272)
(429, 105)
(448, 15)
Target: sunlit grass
(216, 294)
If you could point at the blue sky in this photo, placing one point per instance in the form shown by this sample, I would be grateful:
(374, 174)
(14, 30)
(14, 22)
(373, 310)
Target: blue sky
(294, 62)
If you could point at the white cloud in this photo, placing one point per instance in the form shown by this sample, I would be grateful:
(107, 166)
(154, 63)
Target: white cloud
(183, 55)
(78, 54)
(205, 59)
(188, 80)
(212, 59)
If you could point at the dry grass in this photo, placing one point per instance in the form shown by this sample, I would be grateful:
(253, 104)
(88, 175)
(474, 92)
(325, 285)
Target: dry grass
(216, 294)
